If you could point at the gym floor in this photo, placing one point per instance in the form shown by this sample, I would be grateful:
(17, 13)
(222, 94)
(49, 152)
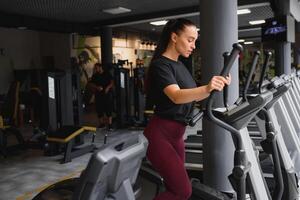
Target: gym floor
(26, 173)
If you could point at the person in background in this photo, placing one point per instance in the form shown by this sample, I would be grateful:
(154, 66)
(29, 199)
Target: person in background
(101, 84)
(172, 90)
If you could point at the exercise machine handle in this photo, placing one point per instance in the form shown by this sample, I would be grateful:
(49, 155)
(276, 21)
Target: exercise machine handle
(225, 89)
(268, 55)
(193, 121)
(237, 48)
(250, 73)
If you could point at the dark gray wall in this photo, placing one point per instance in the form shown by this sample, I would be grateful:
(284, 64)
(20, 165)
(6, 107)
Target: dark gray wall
(57, 46)
(26, 49)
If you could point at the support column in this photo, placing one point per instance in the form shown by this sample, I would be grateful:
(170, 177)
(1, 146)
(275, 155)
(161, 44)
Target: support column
(283, 51)
(218, 31)
(297, 46)
(283, 58)
(106, 46)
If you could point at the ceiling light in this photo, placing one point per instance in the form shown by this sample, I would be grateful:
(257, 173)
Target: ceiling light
(159, 23)
(117, 10)
(249, 42)
(257, 22)
(243, 11)
(22, 27)
(241, 40)
(198, 29)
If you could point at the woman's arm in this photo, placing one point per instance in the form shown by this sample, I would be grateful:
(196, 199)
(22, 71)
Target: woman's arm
(181, 96)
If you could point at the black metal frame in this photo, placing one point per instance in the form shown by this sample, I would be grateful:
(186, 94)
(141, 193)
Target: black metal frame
(73, 152)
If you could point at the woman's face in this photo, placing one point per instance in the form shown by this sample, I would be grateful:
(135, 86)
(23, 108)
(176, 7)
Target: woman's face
(185, 40)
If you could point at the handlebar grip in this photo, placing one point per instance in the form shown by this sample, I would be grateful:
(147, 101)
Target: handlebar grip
(237, 48)
(268, 55)
(250, 73)
(225, 89)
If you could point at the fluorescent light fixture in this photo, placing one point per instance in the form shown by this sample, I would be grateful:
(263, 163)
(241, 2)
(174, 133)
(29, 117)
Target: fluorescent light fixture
(159, 23)
(198, 29)
(22, 27)
(241, 40)
(257, 22)
(117, 10)
(243, 11)
(249, 42)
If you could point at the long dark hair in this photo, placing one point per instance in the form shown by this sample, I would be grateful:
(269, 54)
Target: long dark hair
(173, 26)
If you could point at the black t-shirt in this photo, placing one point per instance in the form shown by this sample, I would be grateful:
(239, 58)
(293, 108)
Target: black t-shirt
(102, 80)
(164, 72)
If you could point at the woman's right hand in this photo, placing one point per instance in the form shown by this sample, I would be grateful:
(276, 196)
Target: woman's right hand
(218, 83)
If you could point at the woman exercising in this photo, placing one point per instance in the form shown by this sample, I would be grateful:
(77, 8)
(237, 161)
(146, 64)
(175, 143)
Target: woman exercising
(172, 90)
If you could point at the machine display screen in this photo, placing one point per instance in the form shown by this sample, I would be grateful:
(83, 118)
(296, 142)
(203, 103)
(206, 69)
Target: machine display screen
(274, 29)
(51, 87)
(280, 29)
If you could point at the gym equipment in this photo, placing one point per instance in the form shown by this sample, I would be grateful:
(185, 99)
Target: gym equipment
(110, 174)
(238, 116)
(8, 120)
(139, 94)
(273, 135)
(194, 142)
(63, 108)
(287, 119)
(274, 141)
(270, 134)
(60, 112)
(123, 100)
(67, 136)
(287, 164)
(235, 120)
(129, 94)
(272, 128)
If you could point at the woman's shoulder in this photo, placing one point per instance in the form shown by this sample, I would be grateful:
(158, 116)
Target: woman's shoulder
(160, 62)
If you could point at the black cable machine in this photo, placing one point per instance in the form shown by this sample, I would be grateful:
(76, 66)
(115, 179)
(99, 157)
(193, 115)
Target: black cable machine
(129, 95)
(60, 108)
(63, 119)
(122, 95)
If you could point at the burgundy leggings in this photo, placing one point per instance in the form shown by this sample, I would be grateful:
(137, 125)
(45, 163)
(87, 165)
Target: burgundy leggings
(166, 154)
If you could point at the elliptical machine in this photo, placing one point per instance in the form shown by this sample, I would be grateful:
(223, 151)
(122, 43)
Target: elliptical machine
(246, 175)
(275, 132)
(110, 174)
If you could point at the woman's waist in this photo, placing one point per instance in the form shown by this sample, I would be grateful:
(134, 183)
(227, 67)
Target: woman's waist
(176, 121)
(177, 117)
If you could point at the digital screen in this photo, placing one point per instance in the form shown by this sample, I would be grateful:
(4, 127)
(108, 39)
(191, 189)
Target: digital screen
(51, 87)
(280, 29)
(274, 29)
